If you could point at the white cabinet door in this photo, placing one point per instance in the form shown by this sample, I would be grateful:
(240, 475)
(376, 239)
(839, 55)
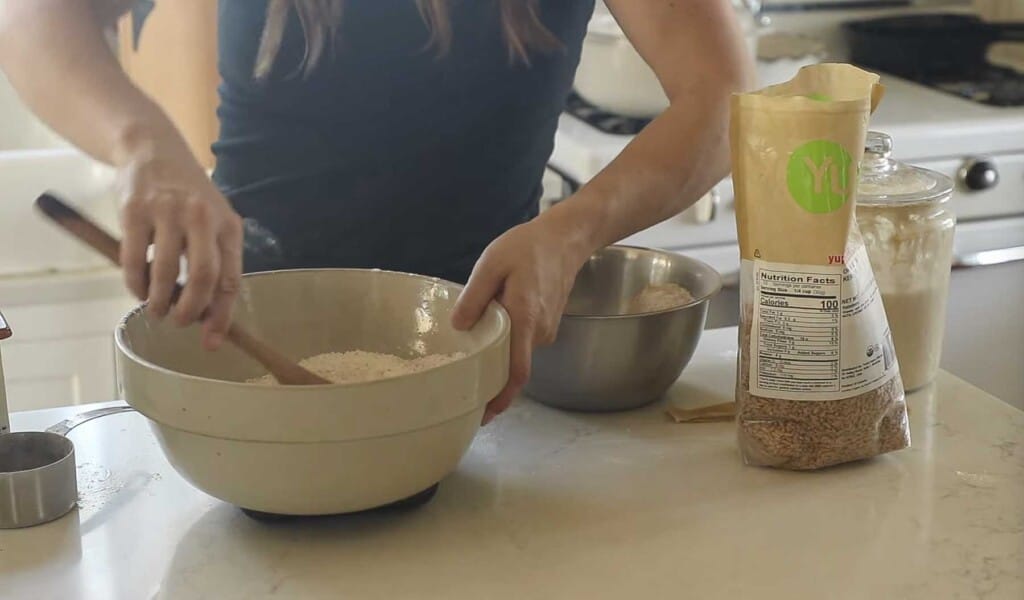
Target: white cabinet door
(60, 372)
(61, 351)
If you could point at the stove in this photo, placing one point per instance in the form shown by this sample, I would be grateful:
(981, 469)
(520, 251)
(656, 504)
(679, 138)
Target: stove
(994, 86)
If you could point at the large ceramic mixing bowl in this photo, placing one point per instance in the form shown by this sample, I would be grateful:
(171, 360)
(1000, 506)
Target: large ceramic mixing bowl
(324, 449)
(605, 359)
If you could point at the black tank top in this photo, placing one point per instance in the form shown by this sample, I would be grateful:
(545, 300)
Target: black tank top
(387, 155)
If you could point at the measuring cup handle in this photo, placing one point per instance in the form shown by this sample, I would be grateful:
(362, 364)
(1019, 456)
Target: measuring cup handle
(65, 426)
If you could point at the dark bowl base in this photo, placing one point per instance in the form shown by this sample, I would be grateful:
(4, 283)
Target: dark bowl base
(410, 503)
(594, 408)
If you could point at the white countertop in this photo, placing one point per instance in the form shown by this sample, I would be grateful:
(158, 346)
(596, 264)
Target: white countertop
(555, 505)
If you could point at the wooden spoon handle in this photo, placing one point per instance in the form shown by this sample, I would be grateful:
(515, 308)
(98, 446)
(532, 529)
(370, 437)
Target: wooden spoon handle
(284, 370)
(79, 226)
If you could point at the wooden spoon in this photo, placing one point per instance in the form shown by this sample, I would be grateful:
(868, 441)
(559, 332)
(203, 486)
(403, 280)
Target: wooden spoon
(286, 371)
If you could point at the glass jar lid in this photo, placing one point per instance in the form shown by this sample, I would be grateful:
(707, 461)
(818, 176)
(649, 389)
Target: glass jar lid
(884, 181)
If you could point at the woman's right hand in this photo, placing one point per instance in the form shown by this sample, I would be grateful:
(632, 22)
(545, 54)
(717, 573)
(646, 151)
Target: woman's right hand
(169, 202)
(56, 56)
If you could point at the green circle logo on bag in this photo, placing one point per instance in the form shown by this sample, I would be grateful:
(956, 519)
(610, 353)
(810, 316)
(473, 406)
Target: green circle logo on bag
(818, 176)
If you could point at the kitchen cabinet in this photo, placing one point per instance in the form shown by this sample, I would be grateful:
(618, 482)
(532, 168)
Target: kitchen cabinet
(62, 350)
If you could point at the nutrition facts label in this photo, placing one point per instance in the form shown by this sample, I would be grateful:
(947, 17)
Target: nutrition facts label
(798, 346)
(818, 332)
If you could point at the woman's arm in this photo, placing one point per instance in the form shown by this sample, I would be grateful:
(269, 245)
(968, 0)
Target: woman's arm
(697, 51)
(55, 55)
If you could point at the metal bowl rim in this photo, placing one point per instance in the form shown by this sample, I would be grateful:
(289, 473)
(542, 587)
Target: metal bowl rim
(716, 288)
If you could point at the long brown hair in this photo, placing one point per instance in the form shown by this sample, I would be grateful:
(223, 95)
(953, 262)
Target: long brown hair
(521, 26)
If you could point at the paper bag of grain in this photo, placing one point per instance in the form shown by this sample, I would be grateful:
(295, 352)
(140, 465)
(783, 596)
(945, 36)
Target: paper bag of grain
(818, 382)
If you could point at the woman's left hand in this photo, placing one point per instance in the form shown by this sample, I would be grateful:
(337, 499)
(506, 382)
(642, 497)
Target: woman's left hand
(529, 270)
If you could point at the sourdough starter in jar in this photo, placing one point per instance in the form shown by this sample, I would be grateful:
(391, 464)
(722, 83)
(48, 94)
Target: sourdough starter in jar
(907, 225)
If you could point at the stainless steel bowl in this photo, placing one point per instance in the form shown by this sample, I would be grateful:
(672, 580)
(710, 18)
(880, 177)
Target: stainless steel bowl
(604, 360)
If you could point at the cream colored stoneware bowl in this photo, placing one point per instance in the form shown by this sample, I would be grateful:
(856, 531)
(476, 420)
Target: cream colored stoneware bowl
(323, 449)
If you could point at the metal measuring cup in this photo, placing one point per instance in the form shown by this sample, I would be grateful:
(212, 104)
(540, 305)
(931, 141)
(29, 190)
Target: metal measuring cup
(38, 482)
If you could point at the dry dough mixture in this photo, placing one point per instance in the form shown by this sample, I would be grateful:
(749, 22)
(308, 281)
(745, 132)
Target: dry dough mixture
(655, 298)
(358, 366)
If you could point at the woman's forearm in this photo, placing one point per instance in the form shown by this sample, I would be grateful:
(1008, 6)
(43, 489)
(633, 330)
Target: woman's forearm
(666, 168)
(55, 55)
(698, 53)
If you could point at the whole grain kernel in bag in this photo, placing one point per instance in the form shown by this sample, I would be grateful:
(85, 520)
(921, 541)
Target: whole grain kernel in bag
(817, 382)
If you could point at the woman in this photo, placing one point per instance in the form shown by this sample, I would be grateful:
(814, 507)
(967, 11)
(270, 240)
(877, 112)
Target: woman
(408, 135)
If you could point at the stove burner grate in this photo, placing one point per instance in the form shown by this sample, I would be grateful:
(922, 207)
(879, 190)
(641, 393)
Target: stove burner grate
(994, 86)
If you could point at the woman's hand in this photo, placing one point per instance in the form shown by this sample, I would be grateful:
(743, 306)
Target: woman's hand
(530, 271)
(50, 45)
(171, 203)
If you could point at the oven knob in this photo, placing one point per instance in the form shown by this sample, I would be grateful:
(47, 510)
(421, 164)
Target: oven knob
(978, 174)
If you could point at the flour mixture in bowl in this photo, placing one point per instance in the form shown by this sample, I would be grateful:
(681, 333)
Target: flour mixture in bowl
(656, 298)
(359, 366)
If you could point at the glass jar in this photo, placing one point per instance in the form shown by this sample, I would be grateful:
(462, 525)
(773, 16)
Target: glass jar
(904, 216)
